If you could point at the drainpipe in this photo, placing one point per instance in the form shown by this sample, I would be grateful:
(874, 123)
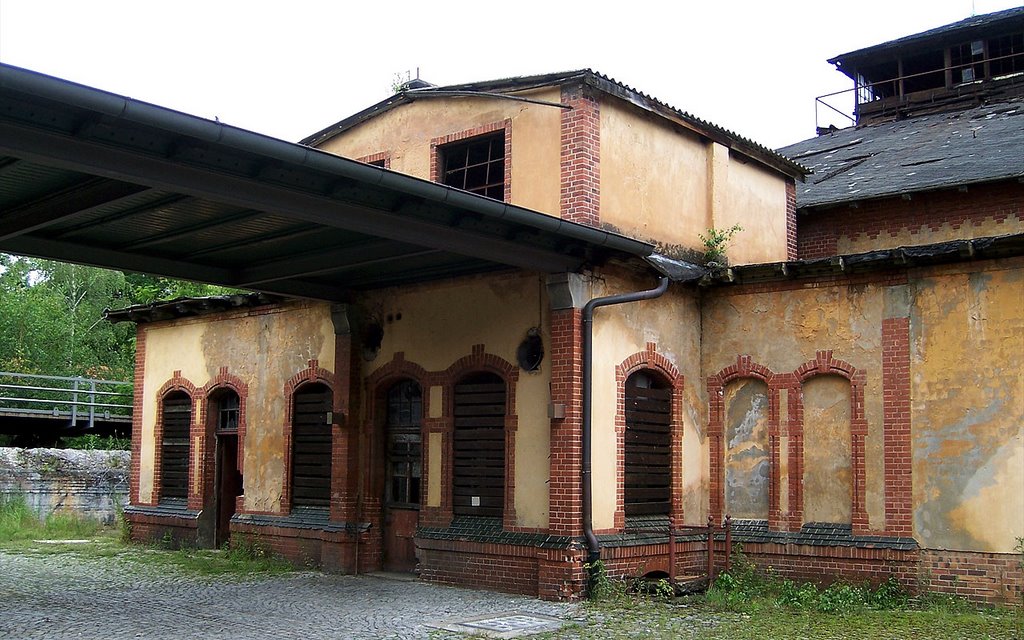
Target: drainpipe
(593, 546)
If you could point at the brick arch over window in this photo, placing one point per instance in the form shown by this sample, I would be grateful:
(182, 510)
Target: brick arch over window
(479, 361)
(744, 368)
(312, 374)
(654, 362)
(204, 432)
(177, 384)
(825, 364)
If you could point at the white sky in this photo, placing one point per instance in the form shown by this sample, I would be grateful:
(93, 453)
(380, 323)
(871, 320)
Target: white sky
(288, 69)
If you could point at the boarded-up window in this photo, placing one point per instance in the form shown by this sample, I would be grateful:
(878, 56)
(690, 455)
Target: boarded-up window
(648, 447)
(827, 461)
(405, 408)
(478, 475)
(746, 449)
(174, 447)
(311, 446)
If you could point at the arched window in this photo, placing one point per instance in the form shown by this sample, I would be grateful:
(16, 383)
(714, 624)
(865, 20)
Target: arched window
(176, 415)
(404, 445)
(311, 446)
(478, 474)
(648, 446)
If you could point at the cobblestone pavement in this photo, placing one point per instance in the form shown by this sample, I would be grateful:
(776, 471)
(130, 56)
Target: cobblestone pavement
(69, 596)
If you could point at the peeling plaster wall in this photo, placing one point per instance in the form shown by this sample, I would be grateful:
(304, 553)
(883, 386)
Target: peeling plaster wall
(620, 331)
(827, 475)
(967, 391)
(440, 323)
(967, 337)
(782, 330)
(746, 449)
(262, 348)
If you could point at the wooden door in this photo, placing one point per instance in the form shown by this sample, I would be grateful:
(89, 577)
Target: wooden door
(229, 485)
(403, 473)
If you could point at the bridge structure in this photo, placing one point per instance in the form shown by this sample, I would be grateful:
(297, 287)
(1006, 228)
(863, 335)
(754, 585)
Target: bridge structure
(38, 410)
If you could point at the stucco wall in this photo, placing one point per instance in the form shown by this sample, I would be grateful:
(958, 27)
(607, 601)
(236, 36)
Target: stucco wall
(967, 391)
(405, 135)
(672, 322)
(439, 324)
(668, 185)
(967, 336)
(263, 348)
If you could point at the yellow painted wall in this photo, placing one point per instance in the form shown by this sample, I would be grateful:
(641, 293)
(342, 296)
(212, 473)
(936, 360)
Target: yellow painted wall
(667, 185)
(441, 322)
(406, 132)
(747, 449)
(968, 409)
(673, 322)
(756, 200)
(264, 351)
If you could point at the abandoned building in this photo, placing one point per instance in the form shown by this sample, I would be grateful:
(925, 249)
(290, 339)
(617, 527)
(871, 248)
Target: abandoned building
(489, 345)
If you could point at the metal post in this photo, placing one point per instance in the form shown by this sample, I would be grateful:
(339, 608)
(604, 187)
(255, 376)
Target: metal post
(671, 555)
(92, 404)
(711, 550)
(74, 401)
(728, 541)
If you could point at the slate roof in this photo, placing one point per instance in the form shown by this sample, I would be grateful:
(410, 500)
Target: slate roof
(930, 152)
(592, 78)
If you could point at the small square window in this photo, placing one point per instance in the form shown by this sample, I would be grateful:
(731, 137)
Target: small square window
(476, 165)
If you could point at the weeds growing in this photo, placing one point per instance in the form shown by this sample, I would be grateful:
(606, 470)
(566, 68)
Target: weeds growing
(19, 522)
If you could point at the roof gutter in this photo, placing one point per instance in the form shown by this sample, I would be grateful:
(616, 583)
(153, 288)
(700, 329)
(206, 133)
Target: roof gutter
(593, 545)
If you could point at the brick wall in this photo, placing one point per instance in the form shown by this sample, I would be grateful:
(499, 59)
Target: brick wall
(924, 218)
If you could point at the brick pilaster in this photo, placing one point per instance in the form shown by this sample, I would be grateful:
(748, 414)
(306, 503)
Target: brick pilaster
(581, 157)
(791, 236)
(138, 392)
(565, 499)
(896, 421)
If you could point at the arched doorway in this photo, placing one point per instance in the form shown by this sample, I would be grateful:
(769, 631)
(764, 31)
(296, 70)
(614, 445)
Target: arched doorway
(403, 474)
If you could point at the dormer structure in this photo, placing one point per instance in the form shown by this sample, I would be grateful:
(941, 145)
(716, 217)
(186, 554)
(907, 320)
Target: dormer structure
(956, 66)
(584, 148)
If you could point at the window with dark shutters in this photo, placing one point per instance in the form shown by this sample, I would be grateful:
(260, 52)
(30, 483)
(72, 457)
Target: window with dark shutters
(648, 447)
(174, 448)
(478, 474)
(311, 446)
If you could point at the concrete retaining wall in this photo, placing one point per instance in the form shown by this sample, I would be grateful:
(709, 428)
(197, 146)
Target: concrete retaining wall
(89, 483)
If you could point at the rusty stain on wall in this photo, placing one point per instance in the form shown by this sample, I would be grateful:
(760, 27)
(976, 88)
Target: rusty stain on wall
(746, 449)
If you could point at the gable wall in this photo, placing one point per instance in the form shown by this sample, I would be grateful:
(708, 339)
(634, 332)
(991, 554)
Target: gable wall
(404, 136)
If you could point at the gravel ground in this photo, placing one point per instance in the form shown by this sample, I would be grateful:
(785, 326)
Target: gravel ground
(70, 596)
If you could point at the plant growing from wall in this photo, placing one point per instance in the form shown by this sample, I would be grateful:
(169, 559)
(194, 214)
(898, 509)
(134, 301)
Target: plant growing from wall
(716, 243)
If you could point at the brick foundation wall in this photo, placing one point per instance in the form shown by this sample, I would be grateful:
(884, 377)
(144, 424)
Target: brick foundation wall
(877, 224)
(985, 577)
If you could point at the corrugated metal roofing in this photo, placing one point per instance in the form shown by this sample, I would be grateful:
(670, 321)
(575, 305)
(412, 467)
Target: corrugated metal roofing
(938, 151)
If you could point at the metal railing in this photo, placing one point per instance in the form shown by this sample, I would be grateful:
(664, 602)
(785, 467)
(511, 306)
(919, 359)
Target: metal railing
(82, 401)
(864, 94)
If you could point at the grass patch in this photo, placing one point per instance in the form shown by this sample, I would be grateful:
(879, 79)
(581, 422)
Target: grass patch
(18, 523)
(748, 604)
(21, 532)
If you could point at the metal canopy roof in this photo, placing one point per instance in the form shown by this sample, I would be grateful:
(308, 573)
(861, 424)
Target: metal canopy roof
(91, 177)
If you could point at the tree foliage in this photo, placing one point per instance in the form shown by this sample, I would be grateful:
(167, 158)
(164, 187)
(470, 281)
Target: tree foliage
(51, 316)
